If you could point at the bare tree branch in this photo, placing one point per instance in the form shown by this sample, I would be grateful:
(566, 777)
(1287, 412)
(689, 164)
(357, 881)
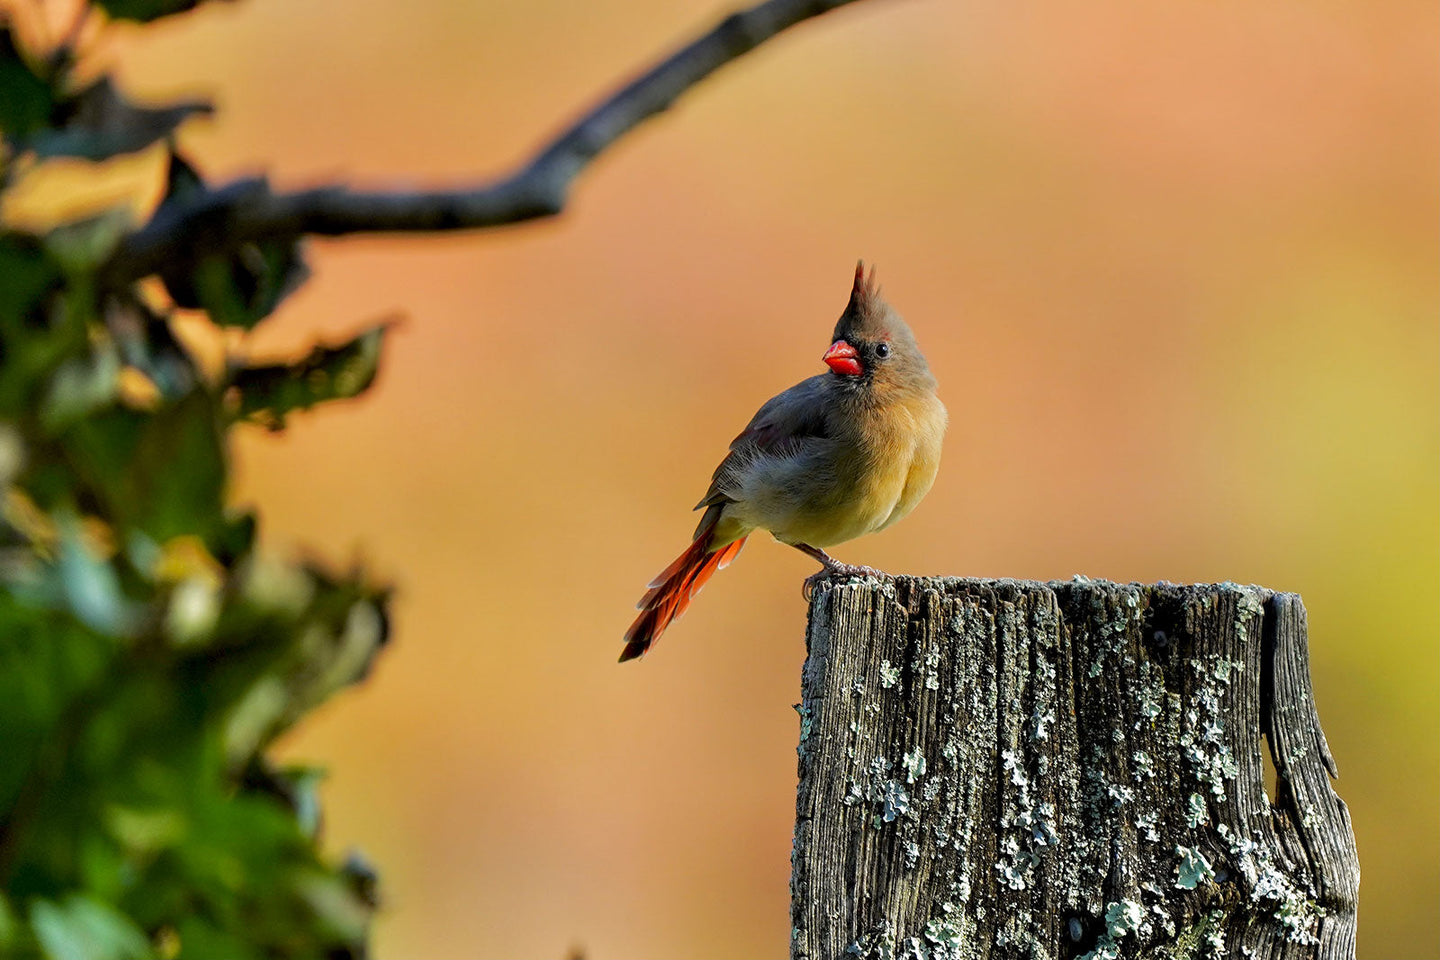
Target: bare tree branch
(247, 211)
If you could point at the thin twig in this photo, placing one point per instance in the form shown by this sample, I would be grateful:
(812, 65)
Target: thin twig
(246, 211)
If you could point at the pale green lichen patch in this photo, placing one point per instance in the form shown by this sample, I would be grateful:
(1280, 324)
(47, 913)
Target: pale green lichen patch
(931, 670)
(1215, 936)
(1203, 738)
(1247, 609)
(805, 723)
(1142, 765)
(1151, 693)
(913, 764)
(1196, 812)
(1205, 937)
(1039, 825)
(876, 944)
(1042, 714)
(1272, 890)
(1193, 869)
(1161, 915)
(943, 933)
(895, 802)
(1122, 918)
(889, 674)
(1014, 869)
(1223, 668)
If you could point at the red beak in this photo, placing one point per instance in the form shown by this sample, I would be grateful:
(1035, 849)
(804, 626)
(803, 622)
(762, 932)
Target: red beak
(843, 358)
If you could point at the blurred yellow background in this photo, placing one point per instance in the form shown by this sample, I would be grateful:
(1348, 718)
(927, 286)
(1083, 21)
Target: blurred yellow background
(1175, 265)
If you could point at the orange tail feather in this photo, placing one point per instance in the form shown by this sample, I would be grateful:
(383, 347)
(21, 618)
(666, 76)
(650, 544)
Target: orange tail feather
(673, 589)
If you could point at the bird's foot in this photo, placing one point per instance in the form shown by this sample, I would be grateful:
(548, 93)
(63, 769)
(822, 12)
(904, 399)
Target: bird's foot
(831, 568)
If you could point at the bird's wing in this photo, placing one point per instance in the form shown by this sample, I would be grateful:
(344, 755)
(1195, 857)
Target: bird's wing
(785, 425)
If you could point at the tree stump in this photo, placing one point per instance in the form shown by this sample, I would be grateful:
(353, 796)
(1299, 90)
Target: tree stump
(1004, 768)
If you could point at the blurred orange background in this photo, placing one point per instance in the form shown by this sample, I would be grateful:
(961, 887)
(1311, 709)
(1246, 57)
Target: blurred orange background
(1175, 266)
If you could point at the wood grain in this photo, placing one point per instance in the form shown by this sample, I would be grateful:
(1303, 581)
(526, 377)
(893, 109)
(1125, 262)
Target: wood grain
(998, 768)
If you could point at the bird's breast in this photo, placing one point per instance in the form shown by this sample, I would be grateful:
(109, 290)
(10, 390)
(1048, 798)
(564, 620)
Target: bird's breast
(862, 481)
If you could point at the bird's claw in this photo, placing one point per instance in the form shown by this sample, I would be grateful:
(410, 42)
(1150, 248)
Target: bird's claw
(807, 589)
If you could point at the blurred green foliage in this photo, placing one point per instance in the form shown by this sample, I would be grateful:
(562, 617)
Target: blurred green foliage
(149, 651)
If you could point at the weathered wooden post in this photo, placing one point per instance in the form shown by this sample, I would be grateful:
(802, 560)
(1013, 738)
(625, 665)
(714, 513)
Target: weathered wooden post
(1003, 768)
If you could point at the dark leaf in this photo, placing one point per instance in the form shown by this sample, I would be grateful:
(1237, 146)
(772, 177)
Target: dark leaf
(99, 123)
(267, 394)
(146, 10)
(26, 100)
(362, 877)
(182, 179)
(243, 288)
(235, 538)
(30, 345)
(239, 288)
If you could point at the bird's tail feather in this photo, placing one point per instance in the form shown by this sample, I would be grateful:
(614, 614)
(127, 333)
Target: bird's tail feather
(672, 590)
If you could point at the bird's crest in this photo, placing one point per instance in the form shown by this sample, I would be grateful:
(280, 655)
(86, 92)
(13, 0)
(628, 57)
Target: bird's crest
(865, 294)
(866, 316)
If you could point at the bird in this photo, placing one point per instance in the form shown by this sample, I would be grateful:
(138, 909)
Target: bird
(839, 455)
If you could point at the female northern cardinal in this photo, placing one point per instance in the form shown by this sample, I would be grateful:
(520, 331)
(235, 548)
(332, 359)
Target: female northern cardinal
(836, 456)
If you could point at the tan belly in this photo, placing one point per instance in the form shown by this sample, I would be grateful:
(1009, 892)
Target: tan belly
(924, 465)
(867, 507)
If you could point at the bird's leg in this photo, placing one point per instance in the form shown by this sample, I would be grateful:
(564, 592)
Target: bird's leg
(831, 568)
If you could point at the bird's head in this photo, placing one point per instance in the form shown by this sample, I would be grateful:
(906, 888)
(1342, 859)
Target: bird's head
(872, 346)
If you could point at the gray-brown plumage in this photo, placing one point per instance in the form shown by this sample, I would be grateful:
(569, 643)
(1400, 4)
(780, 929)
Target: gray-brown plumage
(837, 456)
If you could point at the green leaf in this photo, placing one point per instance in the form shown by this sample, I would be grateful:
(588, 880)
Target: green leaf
(29, 276)
(316, 651)
(146, 10)
(145, 829)
(297, 787)
(81, 928)
(162, 473)
(267, 394)
(26, 100)
(45, 659)
(98, 123)
(9, 926)
(78, 246)
(81, 386)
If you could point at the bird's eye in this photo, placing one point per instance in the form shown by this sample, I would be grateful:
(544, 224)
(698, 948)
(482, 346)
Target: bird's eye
(882, 350)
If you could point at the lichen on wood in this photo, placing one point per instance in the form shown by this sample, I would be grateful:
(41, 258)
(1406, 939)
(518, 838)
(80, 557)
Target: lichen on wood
(1064, 770)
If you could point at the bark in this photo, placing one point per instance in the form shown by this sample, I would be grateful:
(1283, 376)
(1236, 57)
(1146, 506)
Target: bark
(222, 219)
(1002, 768)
